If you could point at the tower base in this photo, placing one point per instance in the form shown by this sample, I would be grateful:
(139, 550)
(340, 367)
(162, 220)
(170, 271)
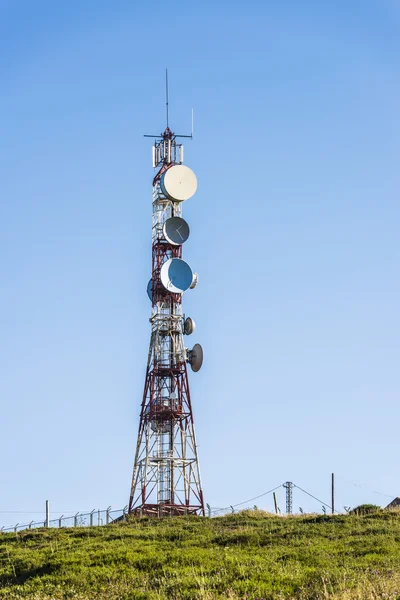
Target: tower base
(166, 510)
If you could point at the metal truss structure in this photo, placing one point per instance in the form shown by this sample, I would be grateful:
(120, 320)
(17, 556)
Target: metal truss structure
(166, 475)
(289, 496)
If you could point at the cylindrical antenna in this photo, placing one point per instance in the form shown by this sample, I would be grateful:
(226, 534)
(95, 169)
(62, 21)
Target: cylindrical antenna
(166, 92)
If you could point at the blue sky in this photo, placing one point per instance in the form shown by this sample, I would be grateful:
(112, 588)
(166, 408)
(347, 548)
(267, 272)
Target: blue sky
(294, 234)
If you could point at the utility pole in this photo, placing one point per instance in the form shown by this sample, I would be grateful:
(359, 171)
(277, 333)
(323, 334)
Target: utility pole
(47, 521)
(333, 493)
(276, 504)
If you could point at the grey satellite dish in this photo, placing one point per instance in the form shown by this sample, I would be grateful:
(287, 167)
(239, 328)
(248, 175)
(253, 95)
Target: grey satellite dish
(176, 275)
(189, 326)
(195, 357)
(150, 290)
(178, 183)
(195, 281)
(176, 231)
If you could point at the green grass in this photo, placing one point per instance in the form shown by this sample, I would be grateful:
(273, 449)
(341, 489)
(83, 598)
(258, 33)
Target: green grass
(251, 555)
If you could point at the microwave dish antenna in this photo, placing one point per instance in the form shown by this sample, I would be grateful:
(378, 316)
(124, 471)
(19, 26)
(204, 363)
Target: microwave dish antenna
(195, 357)
(189, 326)
(150, 290)
(178, 183)
(176, 230)
(176, 275)
(195, 281)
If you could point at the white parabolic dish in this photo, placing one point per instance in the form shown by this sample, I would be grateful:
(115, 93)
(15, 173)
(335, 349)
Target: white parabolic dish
(176, 275)
(178, 183)
(189, 326)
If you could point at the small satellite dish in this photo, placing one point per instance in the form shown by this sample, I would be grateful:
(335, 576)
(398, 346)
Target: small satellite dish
(176, 230)
(189, 326)
(176, 275)
(195, 357)
(150, 290)
(194, 281)
(178, 183)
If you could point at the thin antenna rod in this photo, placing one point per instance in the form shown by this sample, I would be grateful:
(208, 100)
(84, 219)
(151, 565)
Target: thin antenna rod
(166, 92)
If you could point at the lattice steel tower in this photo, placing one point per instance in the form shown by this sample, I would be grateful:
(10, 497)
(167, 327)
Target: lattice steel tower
(166, 474)
(289, 496)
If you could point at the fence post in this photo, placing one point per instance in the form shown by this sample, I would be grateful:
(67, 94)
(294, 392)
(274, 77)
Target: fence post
(125, 511)
(46, 523)
(15, 528)
(98, 517)
(91, 517)
(60, 521)
(76, 520)
(30, 525)
(209, 511)
(108, 515)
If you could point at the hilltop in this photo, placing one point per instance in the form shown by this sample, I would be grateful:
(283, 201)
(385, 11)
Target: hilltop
(251, 555)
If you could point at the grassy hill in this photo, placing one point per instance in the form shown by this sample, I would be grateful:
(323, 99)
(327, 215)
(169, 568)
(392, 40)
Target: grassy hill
(251, 555)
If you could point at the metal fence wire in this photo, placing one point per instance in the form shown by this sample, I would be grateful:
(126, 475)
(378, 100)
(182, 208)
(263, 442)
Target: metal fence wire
(107, 516)
(92, 519)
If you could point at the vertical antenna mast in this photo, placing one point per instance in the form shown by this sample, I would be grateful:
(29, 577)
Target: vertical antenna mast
(166, 92)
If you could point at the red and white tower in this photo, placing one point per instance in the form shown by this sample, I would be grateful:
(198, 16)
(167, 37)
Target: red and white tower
(166, 474)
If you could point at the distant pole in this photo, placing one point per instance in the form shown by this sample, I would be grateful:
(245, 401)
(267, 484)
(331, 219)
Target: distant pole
(47, 521)
(333, 493)
(276, 504)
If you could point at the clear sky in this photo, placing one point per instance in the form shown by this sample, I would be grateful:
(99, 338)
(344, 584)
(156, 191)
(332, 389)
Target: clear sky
(294, 234)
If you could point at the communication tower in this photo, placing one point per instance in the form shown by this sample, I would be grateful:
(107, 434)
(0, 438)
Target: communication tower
(166, 474)
(289, 496)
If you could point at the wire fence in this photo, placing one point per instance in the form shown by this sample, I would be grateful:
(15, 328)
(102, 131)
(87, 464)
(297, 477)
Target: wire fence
(91, 519)
(108, 516)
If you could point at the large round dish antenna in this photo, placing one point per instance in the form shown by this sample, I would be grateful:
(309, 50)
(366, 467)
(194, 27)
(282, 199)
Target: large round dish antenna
(176, 230)
(178, 183)
(189, 326)
(176, 275)
(195, 357)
